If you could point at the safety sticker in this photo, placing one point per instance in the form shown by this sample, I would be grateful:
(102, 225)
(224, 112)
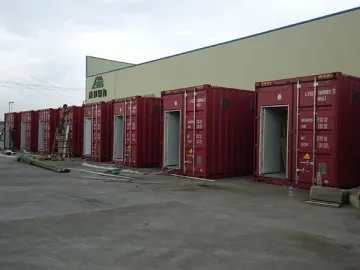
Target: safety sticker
(306, 156)
(129, 146)
(190, 151)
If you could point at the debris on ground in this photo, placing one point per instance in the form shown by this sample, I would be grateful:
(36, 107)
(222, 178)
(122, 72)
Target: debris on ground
(113, 171)
(30, 160)
(9, 152)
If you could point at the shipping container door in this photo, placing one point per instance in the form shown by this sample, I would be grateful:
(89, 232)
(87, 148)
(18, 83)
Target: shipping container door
(130, 132)
(195, 132)
(23, 135)
(316, 123)
(7, 135)
(274, 137)
(172, 139)
(118, 137)
(41, 135)
(87, 136)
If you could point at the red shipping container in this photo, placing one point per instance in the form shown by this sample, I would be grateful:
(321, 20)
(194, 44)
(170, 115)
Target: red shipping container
(221, 143)
(139, 144)
(48, 122)
(12, 120)
(28, 131)
(97, 135)
(75, 121)
(307, 130)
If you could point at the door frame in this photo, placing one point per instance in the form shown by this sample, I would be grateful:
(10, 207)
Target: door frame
(91, 127)
(23, 143)
(43, 137)
(164, 134)
(124, 137)
(261, 155)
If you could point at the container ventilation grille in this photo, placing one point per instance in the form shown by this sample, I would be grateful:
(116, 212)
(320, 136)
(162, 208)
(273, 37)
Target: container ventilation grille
(323, 168)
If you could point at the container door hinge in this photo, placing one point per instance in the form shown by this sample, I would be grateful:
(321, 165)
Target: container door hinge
(302, 170)
(307, 163)
(298, 85)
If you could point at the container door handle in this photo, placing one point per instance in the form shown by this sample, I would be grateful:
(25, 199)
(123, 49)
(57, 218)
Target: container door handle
(302, 170)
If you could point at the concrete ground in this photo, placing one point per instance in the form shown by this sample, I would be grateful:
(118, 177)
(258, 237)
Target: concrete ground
(80, 220)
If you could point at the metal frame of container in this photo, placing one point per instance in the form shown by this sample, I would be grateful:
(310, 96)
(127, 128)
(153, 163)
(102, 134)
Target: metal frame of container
(12, 120)
(220, 144)
(322, 132)
(97, 135)
(75, 121)
(48, 121)
(28, 130)
(136, 131)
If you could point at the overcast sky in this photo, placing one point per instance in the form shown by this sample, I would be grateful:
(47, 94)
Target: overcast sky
(43, 43)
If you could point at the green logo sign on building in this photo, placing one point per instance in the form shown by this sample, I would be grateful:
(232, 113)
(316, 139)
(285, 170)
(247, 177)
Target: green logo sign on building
(98, 83)
(97, 88)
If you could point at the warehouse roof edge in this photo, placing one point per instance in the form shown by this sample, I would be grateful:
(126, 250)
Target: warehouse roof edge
(230, 41)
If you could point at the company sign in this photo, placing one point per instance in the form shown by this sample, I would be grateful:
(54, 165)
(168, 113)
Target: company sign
(98, 90)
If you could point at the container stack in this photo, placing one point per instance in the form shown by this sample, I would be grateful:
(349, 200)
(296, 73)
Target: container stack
(29, 131)
(75, 121)
(12, 126)
(208, 131)
(304, 131)
(307, 131)
(97, 146)
(48, 121)
(136, 131)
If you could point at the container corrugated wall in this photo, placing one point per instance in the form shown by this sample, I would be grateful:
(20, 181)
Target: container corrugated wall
(136, 131)
(75, 120)
(307, 131)
(209, 136)
(28, 131)
(97, 121)
(48, 122)
(12, 120)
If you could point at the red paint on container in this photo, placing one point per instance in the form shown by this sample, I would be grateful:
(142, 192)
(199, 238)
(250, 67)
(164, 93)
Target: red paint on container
(220, 144)
(28, 131)
(75, 121)
(97, 135)
(48, 122)
(12, 120)
(136, 131)
(289, 150)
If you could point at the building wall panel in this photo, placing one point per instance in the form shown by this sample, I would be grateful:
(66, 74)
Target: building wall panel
(289, 52)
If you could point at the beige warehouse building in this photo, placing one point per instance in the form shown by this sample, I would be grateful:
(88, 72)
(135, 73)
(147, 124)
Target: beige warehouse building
(321, 45)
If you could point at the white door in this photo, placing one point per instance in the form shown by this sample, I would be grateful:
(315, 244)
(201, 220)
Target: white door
(23, 135)
(270, 142)
(87, 136)
(41, 136)
(172, 138)
(119, 137)
(7, 136)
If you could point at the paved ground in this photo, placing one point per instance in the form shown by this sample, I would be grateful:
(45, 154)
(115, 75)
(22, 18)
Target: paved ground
(78, 221)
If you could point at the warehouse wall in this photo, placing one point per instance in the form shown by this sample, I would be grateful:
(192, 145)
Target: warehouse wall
(96, 65)
(320, 46)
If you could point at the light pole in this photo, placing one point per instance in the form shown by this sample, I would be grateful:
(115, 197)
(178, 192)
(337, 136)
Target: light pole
(10, 102)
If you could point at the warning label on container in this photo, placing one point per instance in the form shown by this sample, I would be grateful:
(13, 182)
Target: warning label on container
(190, 151)
(306, 156)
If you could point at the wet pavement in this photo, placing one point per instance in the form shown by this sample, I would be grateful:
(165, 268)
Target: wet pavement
(82, 220)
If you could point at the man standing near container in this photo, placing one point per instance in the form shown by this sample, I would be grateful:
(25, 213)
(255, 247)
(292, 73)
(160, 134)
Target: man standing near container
(63, 112)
